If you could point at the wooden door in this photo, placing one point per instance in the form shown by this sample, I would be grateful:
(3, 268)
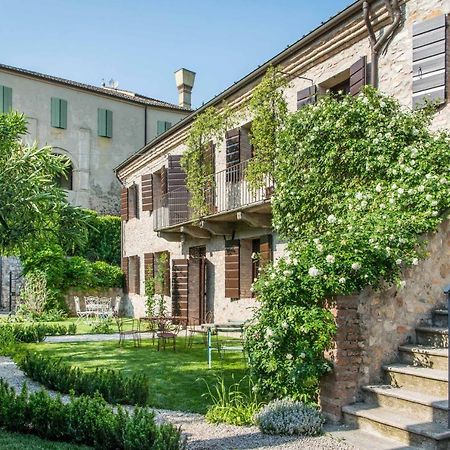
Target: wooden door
(197, 303)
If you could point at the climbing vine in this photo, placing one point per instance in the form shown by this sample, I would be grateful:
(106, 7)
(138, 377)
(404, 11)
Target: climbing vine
(208, 129)
(359, 181)
(268, 110)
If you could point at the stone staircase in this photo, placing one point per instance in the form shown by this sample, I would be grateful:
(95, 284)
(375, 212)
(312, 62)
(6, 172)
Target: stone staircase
(411, 407)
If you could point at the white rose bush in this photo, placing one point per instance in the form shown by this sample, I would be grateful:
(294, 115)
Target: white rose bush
(359, 180)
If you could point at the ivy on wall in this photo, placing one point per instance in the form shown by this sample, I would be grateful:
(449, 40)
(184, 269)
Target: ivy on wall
(359, 180)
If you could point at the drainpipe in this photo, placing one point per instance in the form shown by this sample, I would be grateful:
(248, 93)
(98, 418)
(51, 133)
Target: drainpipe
(376, 45)
(447, 293)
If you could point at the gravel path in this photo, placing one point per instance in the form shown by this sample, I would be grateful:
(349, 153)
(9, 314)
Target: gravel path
(202, 435)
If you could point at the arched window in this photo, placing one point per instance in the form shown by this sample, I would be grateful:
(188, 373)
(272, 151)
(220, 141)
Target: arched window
(65, 180)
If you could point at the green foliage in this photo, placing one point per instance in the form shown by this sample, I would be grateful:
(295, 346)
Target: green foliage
(31, 204)
(155, 286)
(13, 333)
(84, 420)
(209, 126)
(358, 181)
(102, 326)
(112, 385)
(234, 404)
(269, 112)
(99, 238)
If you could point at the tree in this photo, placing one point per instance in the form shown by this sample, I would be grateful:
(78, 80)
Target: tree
(31, 205)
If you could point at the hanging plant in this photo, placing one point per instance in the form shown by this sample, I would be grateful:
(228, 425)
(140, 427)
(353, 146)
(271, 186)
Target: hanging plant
(269, 111)
(209, 127)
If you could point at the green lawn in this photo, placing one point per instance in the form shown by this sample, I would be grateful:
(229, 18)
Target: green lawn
(176, 377)
(15, 441)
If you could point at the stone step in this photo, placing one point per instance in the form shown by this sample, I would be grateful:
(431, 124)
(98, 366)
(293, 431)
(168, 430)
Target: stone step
(426, 407)
(440, 318)
(420, 355)
(401, 427)
(432, 336)
(420, 379)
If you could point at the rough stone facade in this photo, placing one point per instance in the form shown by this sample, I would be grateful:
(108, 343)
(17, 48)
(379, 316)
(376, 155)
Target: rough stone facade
(10, 282)
(373, 324)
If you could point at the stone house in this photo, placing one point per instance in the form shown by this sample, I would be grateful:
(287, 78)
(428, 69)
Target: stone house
(210, 268)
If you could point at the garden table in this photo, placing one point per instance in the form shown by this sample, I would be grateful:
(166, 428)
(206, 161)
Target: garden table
(217, 327)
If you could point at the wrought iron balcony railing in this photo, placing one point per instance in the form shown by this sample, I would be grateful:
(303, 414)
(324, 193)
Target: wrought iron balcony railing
(228, 191)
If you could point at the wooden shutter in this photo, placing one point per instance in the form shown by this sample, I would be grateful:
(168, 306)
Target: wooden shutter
(5, 99)
(54, 106)
(266, 249)
(358, 75)
(180, 287)
(133, 201)
(124, 267)
(62, 113)
(307, 96)
(101, 122)
(167, 275)
(109, 123)
(429, 61)
(178, 193)
(160, 127)
(232, 269)
(149, 263)
(147, 192)
(164, 180)
(137, 274)
(124, 204)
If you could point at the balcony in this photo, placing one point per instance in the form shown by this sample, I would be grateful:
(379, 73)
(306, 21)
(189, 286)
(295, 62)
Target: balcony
(225, 199)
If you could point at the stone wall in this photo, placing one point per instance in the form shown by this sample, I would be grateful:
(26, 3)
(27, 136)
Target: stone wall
(373, 324)
(10, 281)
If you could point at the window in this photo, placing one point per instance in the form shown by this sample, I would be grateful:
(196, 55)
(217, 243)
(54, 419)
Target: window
(162, 126)
(105, 122)
(162, 261)
(341, 89)
(133, 201)
(134, 281)
(5, 99)
(58, 113)
(65, 180)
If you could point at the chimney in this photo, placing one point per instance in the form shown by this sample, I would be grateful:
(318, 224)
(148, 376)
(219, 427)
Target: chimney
(185, 82)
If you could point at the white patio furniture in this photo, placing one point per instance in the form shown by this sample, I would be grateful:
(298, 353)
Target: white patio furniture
(79, 312)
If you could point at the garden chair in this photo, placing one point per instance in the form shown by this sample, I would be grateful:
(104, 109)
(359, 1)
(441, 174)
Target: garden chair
(229, 339)
(134, 333)
(193, 329)
(80, 314)
(168, 332)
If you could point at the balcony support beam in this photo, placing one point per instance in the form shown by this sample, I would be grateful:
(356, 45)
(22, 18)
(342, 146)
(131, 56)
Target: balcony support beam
(217, 229)
(255, 220)
(195, 232)
(170, 236)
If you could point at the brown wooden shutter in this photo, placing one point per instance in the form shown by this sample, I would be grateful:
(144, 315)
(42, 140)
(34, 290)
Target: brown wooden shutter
(429, 61)
(167, 275)
(180, 287)
(133, 201)
(147, 192)
(266, 249)
(232, 269)
(124, 204)
(149, 262)
(137, 277)
(307, 96)
(358, 76)
(164, 180)
(178, 193)
(124, 267)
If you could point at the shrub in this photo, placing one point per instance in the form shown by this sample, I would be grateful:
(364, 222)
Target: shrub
(85, 420)
(36, 332)
(235, 405)
(290, 417)
(110, 384)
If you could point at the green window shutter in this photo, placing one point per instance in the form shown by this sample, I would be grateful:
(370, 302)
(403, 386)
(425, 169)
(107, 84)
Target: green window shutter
(63, 113)
(109, 123)
(55, 112)
(101, 122)
(160, 127)
(5, 99)
(167, 125)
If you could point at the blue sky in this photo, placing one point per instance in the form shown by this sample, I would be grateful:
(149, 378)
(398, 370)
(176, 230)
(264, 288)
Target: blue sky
(141, 43)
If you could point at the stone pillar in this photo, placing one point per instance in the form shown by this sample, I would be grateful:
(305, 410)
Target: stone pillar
(341, 386)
